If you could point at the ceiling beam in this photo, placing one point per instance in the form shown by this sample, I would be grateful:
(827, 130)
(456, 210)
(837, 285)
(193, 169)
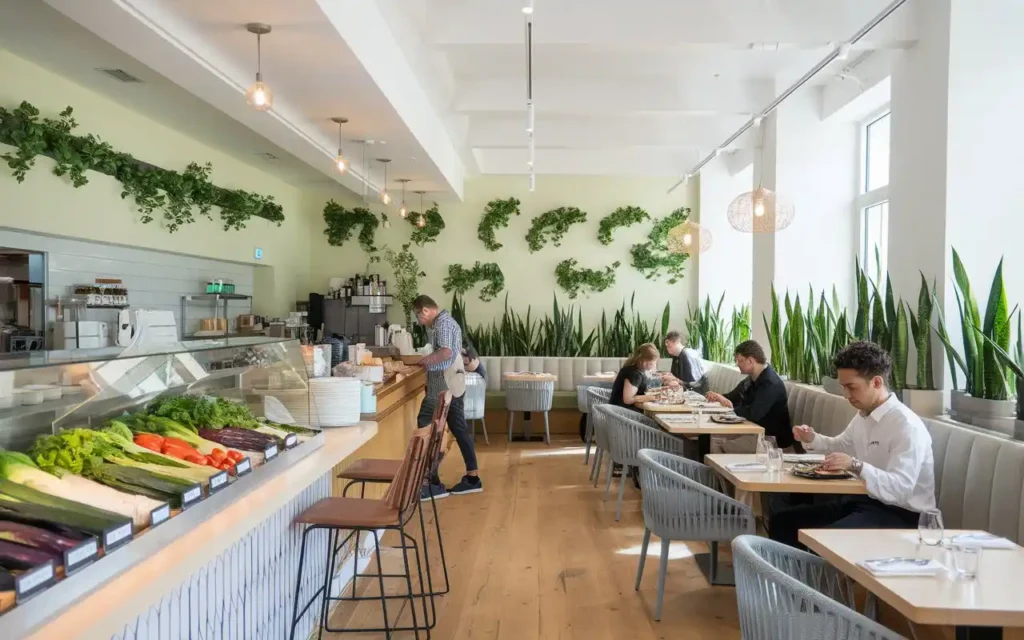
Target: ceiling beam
(647, 162)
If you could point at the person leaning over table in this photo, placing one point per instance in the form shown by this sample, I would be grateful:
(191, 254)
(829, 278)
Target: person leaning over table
(471, 361)
(687, 369)
(760, 398)
(445, 372)
(886, 445)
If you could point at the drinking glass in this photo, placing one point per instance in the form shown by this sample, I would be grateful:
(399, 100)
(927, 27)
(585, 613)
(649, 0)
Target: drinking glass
(929, 527)
(761, 450)
(966, 559)
(775, 460)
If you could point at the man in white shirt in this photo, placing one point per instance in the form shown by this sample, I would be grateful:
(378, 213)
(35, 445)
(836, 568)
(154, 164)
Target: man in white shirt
(886, 445)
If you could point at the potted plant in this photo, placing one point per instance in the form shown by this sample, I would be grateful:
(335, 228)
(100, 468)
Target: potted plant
(923, 398)
(985, 400)
(1015, 364)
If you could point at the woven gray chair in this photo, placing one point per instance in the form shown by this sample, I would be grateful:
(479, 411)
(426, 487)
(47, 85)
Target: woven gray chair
(583, 402)
(628, 433)
(596, 396)
(475, 403)
(528, 396)
(783, 592)
(682, 500)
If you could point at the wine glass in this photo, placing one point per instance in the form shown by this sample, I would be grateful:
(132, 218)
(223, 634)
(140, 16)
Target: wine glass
(929, 527)
(774, 459)
(764, 445)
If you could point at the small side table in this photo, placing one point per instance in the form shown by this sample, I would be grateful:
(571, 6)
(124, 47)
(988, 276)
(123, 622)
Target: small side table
(526, 393)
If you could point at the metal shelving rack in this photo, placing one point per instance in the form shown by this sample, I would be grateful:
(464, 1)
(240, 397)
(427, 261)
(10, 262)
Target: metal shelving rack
(220, 304)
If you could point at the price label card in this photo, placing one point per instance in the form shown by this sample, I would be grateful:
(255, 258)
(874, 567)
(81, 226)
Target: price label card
(159, 515)
(192, 496)
(117, 536)
(291, 441)
(218, 482)
(34, 580)
(81, 555)
(270, 452)
(243, 467)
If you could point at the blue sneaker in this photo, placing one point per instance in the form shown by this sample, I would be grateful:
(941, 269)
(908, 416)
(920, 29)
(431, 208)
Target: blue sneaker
(437, 491)
(468, 484)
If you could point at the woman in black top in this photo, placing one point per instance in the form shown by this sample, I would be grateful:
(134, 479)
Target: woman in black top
(630, 384)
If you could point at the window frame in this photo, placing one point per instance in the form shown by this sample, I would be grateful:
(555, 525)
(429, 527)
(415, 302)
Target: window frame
(867, 199)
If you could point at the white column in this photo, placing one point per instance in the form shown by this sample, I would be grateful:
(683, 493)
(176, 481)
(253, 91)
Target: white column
(726, 267)
(763, 267)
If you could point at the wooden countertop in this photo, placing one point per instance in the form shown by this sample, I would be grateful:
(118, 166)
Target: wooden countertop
(990, 600)
(784, 482)
(98, 601)
(391, 395)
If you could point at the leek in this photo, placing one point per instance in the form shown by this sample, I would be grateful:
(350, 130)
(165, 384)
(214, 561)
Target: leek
(30, 503)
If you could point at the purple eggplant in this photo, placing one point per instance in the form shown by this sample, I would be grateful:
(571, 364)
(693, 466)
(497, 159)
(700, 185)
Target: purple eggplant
(242, 439)
(6, 580)
(33, 520)
(18, 557)
(36, 537)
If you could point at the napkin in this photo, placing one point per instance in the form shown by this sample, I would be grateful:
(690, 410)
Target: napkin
(984, 539)
(679, 417)
(747, 466)
(903, 567)
(803, 457)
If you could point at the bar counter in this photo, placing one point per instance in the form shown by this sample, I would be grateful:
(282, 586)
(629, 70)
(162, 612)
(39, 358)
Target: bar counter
(226, 567)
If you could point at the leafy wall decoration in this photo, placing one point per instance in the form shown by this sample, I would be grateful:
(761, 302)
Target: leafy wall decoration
(621, 217)
(460, 279)
(553, 225)
(652, 258)
(176, 194)
(496, 216)
(341, 222)
(574, 281)
(429, 231)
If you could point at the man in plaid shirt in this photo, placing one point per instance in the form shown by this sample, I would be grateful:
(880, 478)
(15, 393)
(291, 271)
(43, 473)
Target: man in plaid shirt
(446, 338)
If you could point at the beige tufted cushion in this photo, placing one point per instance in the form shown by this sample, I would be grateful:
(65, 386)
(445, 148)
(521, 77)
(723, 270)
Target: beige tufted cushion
(722, 378)
(829, 414)
(570, 371)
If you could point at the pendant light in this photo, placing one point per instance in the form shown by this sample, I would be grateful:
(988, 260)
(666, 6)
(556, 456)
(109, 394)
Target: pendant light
(422, 220)
(340, 163)
(385, 197)
(761, 210)
(403, 210)
(689, 238)
(259, 95)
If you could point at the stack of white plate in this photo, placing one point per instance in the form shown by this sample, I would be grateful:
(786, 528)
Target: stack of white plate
(334, 402)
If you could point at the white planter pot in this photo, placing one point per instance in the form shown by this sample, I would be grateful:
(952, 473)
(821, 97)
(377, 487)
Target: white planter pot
(1018, 429)
(923, 402)
(997, 415)
(831, 385)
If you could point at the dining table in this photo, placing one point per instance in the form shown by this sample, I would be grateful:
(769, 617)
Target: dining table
(741, 470)
(687, 425)
(977, 608)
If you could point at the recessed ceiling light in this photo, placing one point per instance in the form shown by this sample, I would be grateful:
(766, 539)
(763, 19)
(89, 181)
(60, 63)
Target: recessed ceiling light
(527, 10)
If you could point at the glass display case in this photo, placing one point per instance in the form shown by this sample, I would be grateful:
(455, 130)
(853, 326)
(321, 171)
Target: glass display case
(45, 392)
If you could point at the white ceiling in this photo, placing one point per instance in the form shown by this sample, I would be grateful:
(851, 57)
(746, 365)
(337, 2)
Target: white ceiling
(643, 87)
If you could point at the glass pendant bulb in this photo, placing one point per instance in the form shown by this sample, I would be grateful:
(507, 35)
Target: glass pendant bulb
(421, 221)
(759, 208)
(687, 239)
(341, 163)
(259, 95)
(403, 211)
(385, 197)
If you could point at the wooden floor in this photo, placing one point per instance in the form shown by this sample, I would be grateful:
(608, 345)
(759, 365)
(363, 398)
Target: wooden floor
(539, 555)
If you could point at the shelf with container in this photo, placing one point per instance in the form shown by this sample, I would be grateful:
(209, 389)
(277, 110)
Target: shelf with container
(220, 324)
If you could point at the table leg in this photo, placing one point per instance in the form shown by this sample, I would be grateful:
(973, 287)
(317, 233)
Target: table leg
(527, 435)
(716, 574)
(703, 446)
(979, 633)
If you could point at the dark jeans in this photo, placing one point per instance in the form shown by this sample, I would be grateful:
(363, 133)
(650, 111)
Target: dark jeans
(846, 512)
(456, 424)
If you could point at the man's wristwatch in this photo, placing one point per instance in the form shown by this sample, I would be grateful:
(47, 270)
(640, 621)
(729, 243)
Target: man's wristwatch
(856, 466)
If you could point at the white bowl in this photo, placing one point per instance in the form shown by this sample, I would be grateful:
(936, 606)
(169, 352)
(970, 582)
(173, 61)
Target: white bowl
(29, 396)
(49, 391)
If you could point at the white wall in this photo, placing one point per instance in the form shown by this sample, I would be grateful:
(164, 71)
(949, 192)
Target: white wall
(726, 267)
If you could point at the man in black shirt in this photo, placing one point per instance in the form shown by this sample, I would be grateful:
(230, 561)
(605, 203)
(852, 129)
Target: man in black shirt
(761, 399)
(686, 365)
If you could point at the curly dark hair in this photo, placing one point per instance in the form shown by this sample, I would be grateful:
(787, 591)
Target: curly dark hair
(751, 349)
(866, 358)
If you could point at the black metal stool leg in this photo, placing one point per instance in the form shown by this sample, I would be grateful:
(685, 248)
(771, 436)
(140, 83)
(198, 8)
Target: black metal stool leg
(332, 556)
(440, 543)
(430, 580)
(298, 585)
(408, 583)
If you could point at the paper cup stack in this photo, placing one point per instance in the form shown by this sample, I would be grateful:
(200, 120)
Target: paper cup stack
(334, 402)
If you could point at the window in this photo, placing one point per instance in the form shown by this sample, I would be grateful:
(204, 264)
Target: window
(873, 203)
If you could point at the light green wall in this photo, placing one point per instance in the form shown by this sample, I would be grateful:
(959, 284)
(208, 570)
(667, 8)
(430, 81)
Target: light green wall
(530, 278)
(47, 204)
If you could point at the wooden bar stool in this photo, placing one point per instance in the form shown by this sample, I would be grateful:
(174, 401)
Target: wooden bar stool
(393, 512)
(384, 471)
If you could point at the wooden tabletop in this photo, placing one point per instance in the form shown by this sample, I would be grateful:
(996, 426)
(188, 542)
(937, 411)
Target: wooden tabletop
(599, 377)
(654, 407)
(529, 376)
(993, 599)
(707, 427)
(784, 482)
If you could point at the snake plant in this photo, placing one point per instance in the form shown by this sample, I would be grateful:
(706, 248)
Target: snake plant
(775, 338)
(920, 328)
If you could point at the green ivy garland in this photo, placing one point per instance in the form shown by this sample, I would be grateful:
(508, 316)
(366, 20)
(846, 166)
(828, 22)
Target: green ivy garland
(407, 279)
(621, 217)
(153, 189)
(554, 224)
(496, 215)
(460, 279)
(652, 258)
(574, 280)
(428, 232)
(341, 222)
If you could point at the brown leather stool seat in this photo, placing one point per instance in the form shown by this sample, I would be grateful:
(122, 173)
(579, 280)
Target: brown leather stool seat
(343, 513)
(372, 470)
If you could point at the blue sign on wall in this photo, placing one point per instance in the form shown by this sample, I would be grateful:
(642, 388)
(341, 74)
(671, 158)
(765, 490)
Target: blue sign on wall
(258, 253)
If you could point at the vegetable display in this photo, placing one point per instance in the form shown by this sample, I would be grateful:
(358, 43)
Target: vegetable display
(244, 439)
(19, 503)
(37, 537)
(19, 557)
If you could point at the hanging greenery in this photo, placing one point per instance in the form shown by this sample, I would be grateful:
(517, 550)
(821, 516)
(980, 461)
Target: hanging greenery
(574, 281)
(341, 222)
(496, 216)
(407, 278)
(460, 279)
(652, 258)
(429, 231)
(176, 194)
(553, 225)
(621, 217)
